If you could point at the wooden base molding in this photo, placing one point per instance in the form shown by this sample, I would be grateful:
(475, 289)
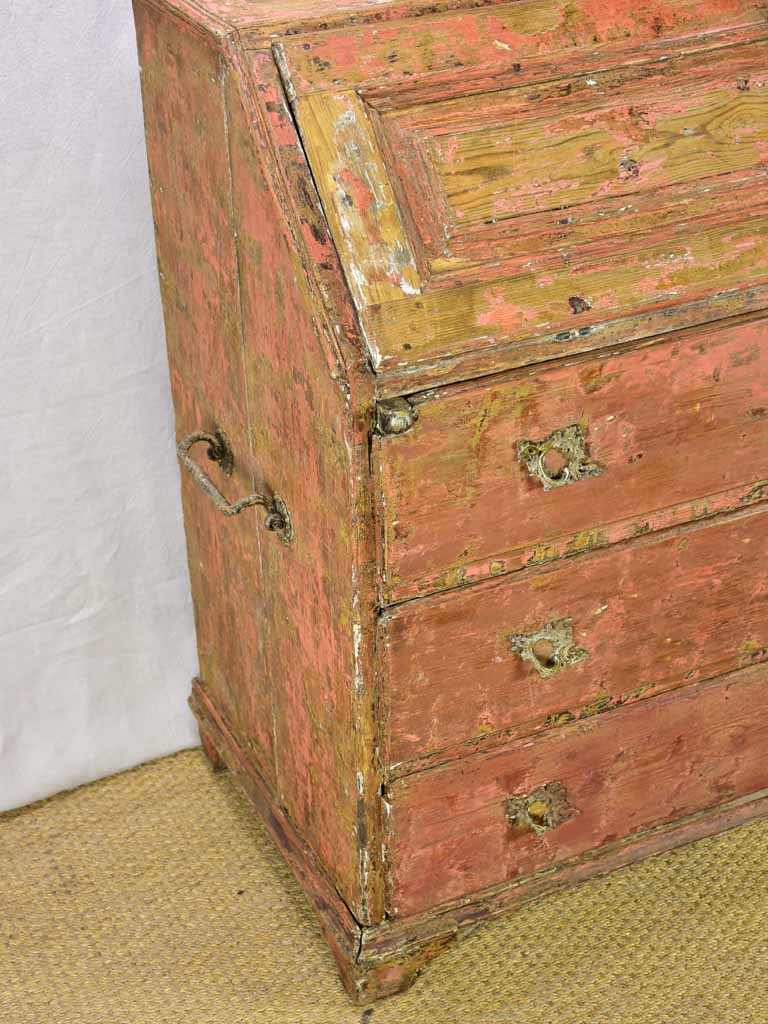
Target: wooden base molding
(381, 960)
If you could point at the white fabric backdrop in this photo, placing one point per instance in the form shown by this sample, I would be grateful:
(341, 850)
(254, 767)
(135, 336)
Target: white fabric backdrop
(96, 633)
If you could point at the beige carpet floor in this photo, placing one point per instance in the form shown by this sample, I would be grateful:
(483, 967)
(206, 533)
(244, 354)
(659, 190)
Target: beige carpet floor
(155, 897)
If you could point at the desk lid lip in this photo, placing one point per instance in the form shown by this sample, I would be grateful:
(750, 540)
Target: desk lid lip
(257, 22)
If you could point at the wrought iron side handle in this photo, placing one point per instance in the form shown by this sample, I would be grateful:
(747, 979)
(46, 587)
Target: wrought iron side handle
(278, 518)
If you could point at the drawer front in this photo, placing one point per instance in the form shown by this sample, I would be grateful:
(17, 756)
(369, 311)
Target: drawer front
(533, 466)
(494, 818)
(571, 640)
(536, 171)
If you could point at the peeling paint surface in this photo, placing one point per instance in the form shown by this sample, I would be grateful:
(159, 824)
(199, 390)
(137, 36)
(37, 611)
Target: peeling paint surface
(450, 833)
(462, 672)
(668, 425)
(650, 615)
(188, 157)
(476, 214)
(282, 639)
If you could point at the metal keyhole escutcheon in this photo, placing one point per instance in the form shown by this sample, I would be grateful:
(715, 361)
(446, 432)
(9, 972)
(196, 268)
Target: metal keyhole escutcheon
(550, 649)
(560, 458)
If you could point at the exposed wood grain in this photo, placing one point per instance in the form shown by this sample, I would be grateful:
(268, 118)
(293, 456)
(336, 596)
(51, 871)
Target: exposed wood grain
(481, 221)
(187, 150)
(535, 72)
(574, 158)
(453, 367)
(285, 633)
(678, 429)
(659, 613)
(255, 21)
(591, 137)
(660, 276)
(535, 241)
(653, 763)
(313, 436)
(502, 38)
(358, 200)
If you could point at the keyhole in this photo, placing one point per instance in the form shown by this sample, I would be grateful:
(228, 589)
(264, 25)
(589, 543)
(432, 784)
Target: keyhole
(538, 811)
(544, 652)
(554, 463)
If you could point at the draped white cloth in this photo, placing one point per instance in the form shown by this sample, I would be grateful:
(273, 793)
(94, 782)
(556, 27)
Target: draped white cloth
(96, 633)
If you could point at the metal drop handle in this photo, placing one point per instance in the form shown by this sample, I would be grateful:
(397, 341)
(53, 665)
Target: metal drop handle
(278, 518)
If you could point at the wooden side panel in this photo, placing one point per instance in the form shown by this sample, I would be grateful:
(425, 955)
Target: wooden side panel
(310, 435)
(648, 616)
(259, 350)
(451, 833)
(182, 82)
(676, 430)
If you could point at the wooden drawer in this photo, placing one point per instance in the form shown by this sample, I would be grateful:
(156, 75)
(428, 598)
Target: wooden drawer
(618, 625)
(539, 177)
(654, 436)
(493, 818)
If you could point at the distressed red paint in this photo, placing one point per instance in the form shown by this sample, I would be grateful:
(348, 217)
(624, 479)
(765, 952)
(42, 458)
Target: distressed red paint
(652, 615)
(671, 758)
(282, 692)
(429, 263)
(662, 193)
(666, 424)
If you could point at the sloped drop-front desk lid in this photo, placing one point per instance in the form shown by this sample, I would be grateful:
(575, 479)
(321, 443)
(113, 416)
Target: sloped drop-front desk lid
(510, 184)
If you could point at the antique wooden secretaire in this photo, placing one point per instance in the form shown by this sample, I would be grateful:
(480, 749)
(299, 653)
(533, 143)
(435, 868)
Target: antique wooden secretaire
(467, 317)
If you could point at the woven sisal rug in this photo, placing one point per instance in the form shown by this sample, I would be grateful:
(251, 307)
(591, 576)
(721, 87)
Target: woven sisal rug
(154, 897)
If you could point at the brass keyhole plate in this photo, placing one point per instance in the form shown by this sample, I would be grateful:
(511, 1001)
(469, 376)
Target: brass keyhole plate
(550, 649)
(560, 458)
(542, 809)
